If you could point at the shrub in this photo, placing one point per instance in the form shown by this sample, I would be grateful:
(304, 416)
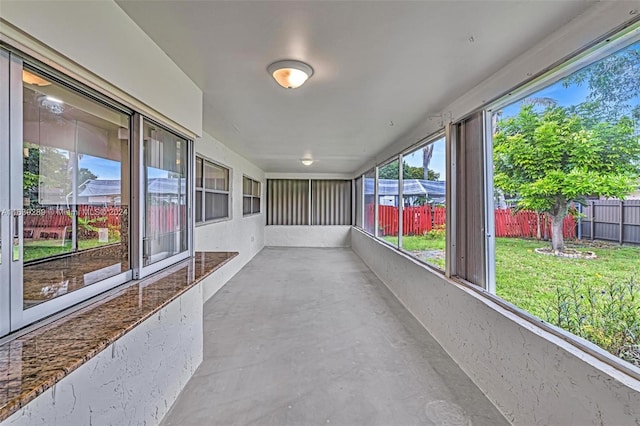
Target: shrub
(608, 316)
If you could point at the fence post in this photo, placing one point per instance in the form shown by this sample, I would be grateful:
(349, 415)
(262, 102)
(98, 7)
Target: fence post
(621, 233)
(593, 218)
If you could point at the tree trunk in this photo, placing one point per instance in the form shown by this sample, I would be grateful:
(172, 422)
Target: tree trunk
(558, 213)
(427, 153)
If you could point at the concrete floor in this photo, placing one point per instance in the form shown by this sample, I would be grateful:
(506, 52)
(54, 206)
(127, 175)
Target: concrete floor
(310, 337)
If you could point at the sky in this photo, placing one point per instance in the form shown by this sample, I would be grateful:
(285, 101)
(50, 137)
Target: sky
(110, 169)
(564, 96)
(437, 164)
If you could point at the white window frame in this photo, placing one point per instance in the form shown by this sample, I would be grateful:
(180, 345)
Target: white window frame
(251, 196)
(204, 191)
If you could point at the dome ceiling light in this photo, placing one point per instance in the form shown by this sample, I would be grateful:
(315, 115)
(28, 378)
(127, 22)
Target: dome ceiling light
(307, 161)
(290, 74)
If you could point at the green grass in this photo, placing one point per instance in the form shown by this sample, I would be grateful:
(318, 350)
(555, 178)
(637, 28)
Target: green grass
(433, 246)
(41, 249)
(531, 281)
(598, 299)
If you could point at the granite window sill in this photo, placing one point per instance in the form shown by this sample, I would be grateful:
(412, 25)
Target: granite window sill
(34, 362)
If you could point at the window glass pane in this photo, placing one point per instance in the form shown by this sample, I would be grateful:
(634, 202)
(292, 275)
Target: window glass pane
(246, 186)
(369, 201)
(198, 172)
(216, 177)
(216, 206)
(165, 162)
(246, 205)
(76, 190)
(256, 205)
(424, 211)
(255, 188)
(566, 166)
(388, 202)
(198, 206)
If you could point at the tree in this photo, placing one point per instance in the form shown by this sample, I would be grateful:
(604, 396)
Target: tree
(554, 157)
(84, 175)
(390, 171)
(612, 81)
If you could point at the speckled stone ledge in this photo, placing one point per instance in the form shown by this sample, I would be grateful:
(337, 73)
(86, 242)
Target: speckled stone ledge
(34, 362)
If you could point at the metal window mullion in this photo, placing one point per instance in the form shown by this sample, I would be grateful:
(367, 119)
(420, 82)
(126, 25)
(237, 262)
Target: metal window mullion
(400, 199)
(450, 200)
(138, 179)
(375, 203)
(15, 190)
(5, 207)
(489, 215)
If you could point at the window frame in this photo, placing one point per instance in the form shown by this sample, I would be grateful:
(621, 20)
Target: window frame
(606, 45)
(13, 316)
(203, 191)
(251, 196)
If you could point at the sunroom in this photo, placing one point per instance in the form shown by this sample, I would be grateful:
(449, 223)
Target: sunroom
(319, 212)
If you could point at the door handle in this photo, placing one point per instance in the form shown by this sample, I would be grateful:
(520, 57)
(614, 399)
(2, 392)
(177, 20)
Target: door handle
(15, 247)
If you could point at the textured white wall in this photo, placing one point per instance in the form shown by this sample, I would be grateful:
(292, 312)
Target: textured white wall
(532, 376)
(135, 380)
(242, 234)
(100, 37)
(307, 236)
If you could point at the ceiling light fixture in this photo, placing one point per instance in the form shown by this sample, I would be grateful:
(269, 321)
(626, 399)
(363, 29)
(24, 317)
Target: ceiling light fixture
(290, 74)
(306, 161)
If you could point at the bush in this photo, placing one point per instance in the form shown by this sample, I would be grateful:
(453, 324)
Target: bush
(608, 317)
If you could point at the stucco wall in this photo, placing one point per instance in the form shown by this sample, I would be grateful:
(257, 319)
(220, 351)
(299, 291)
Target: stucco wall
(532, 376)
(307, 236)
(135, 380)
(244, 234)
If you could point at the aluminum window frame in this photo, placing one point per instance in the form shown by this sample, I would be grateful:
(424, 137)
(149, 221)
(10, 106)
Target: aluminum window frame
(251, 196)
(20, 317)
(203, 191)
(139, 206)
(608, 44)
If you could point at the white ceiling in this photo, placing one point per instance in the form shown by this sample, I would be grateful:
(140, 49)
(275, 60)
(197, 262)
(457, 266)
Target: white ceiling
(375, 63)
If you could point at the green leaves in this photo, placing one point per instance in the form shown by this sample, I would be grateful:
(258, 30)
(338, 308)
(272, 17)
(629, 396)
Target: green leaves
(555, 156)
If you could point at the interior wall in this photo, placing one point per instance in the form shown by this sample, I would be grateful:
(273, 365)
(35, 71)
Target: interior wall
(100, 37)
(244, 234)
(532, 376)
(307, 236)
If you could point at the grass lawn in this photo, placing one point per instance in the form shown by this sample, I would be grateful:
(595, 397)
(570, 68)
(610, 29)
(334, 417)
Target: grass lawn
(598, 299)
(530, 280)
(432, 248)
(40, 249)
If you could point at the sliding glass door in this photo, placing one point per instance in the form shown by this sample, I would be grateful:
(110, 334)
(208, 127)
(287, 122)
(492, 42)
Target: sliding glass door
(5, 208)
(65, 194)
(73, 166)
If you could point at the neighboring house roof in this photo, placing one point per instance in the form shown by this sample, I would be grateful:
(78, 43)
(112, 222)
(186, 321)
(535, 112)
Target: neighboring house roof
(105, 187)
(430, 188)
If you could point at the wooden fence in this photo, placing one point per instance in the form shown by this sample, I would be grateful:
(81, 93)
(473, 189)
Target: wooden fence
(612, 220)
(422, 219)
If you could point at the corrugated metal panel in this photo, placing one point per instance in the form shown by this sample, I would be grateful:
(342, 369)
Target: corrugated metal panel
(470, 201)
(331, 202)
(287, 202)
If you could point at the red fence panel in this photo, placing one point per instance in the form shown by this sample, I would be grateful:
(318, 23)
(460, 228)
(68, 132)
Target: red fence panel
(419, 220)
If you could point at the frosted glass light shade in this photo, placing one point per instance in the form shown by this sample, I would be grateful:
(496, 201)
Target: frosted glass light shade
(290, 74)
